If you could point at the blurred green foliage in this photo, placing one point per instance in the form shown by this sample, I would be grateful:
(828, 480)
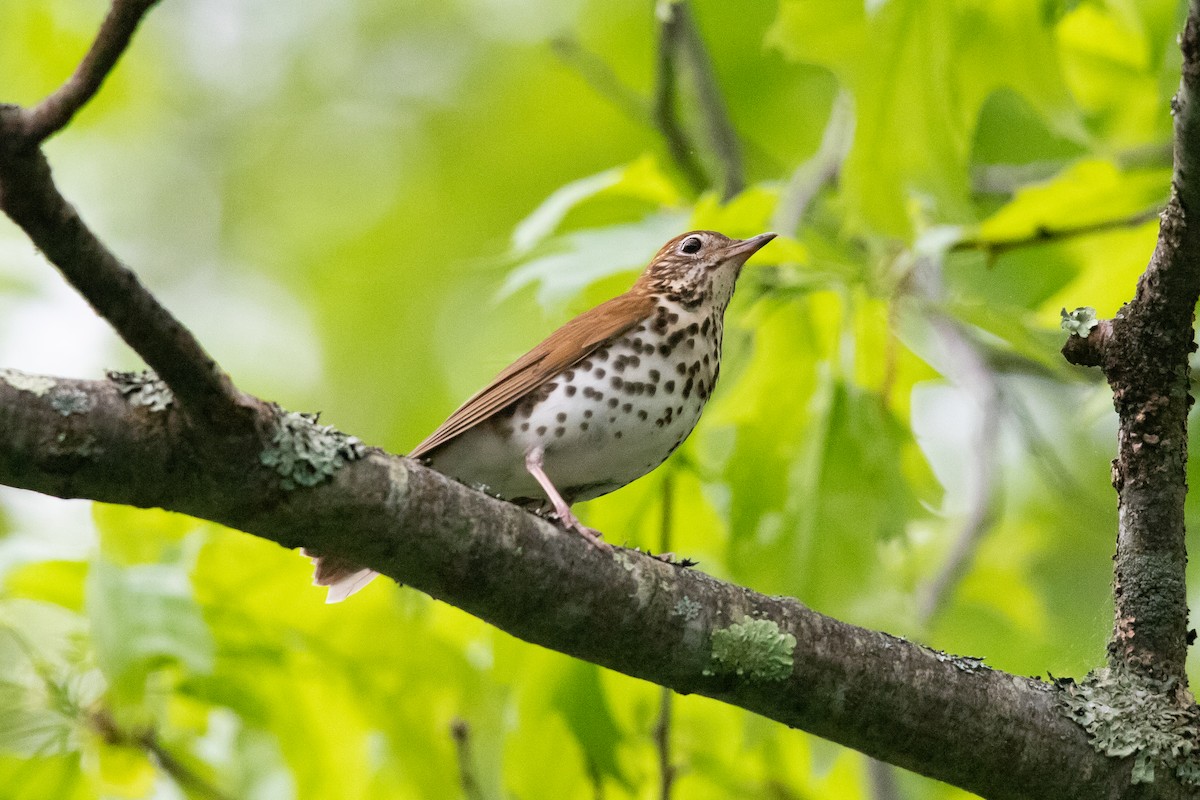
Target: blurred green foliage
(367, 208)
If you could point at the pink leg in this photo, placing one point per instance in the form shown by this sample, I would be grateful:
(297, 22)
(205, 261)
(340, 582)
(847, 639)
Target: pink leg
(533, 463)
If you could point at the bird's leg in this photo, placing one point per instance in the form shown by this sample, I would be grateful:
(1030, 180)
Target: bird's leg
(533, 463)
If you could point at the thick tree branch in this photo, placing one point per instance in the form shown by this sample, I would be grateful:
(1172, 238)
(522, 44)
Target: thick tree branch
(1144, 354)
(997, 734)
(30, 198)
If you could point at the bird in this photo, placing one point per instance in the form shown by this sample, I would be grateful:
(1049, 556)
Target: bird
(600, 402)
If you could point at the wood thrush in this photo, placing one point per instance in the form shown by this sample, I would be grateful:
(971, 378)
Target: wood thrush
(601, 402)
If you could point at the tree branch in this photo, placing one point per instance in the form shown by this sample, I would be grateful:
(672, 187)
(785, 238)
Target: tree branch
(721, 133)
(666, 78)
(30, 198)
(1045, 235)
(994, 733)
(1144, 354)
(52, 114)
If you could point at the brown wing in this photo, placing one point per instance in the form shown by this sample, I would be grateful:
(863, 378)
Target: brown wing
(561, 350)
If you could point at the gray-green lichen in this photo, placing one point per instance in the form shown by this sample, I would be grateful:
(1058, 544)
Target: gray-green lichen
(1080, 321)
(35, 384)
(754, 649)
(143, 389)
(1126, 715)
(963, 663)
(306, 453)
(687, 608)
(68, 400)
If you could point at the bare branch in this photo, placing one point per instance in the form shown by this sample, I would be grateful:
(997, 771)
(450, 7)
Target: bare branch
(1008, 178)
(52, 114)
(600, 76)
(810, 177)
(1046, 235)
(974, 376)
(184, 776)
(721, 133)
(666, 89)
(460, 730)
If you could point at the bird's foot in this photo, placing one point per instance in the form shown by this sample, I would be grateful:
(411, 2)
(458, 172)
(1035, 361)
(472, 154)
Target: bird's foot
(594, 537)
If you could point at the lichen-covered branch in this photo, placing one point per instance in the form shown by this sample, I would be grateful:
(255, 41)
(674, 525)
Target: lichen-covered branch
(1144, 353)
(1000, 735)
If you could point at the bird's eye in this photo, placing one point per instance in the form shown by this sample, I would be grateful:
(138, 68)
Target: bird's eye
(691, 245)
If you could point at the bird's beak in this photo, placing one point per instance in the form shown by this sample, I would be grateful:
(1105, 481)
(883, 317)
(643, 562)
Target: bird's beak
(742, 249)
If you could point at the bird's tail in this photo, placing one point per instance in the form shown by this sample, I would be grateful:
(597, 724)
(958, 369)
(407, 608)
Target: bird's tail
(342, 577)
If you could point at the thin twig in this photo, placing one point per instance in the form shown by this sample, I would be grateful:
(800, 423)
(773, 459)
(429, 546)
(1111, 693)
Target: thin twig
(662, 729)
(1047, 235)
(881, 778)
(601, 77)
(974, 377)
(103, 723)
(460, 730)
(679, 146)
(819, 170)
(52, 114)
(1008, 178)
(721, 134)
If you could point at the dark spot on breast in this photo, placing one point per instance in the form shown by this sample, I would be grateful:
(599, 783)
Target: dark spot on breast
(569, 375)
(524, 426)
(676, 337)
(642, 414)
(541, 430)
(599, 372)
(705, 324)
(693, 329)
(561, 416)
(681, 368)
(687, 388)
(650, 389)
(658, 423)
(602, 354)
(705, 359)
(586, 365)
(627, 407)
(619, 364)
(634, 361)
(583, 426)
(570, 390)
(587, 413)
(617, 383)
(559, 431)
(669, 386)
(672, 318)
(617, 435)
(663, 350)
(654, 376)
(691, 343)
(613, 402)
(694, 368)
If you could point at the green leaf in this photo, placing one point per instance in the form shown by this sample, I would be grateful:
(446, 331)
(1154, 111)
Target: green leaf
(576, 260)
(144, 618)
(920, 73)
(581, 700)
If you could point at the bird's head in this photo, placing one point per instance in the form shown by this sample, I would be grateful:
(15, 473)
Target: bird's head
(700, 266)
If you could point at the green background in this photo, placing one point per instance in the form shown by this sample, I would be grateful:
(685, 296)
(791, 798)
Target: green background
(368, 208)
